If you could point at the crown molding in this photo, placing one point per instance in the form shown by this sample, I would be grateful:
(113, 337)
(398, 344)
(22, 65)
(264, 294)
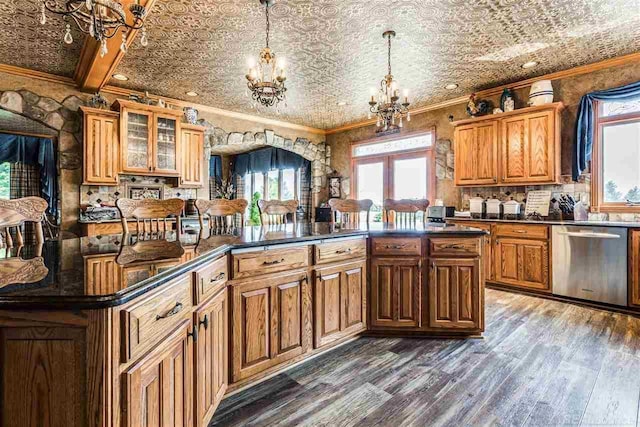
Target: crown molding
(25, 72)
(571, 72)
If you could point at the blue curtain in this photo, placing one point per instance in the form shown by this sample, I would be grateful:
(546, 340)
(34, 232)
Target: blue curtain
(215, 168)
(267, 159)
(586, 118)
(34, 151)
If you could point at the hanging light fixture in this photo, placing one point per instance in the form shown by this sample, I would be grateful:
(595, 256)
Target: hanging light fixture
(265, 80)
(101, 19)
(389, 111)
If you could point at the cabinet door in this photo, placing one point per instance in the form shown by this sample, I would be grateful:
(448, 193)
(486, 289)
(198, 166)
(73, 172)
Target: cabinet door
(271, 322)
(465, 162)
(634, 267)
(158, 389)
(165, 145)
(486, 153)
(540, 146)
(340, 302)
(523, 263)
(395, 292)
(102, 275)
(211, 367)
(101, 144)
(514, 149)
(192, 158)
(136, 148)
(454, 294)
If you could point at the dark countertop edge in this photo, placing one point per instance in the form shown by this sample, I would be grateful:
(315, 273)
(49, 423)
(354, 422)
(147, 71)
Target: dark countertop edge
(50, 302)
(621, 224)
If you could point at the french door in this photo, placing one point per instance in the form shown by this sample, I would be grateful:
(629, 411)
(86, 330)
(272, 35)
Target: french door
(408, 175)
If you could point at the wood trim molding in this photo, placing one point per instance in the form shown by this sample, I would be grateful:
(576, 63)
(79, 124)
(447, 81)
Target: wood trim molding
(555, 106)
(25, 72)
(577, 71)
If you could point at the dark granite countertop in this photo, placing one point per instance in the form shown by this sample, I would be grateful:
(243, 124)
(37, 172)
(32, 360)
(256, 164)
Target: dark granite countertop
(60, 274)
(557, 222)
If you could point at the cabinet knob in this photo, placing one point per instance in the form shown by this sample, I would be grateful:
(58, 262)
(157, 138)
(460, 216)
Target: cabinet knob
(194, 333)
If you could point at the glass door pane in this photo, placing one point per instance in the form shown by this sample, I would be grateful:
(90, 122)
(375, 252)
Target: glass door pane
(137, 141)
(166, 147)
(370, 185)
(410, 178)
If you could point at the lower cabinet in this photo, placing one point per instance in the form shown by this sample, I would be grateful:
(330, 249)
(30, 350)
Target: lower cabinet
(271, 322)
(634, 268)
(211, 357)
(395, 292)
(158, 389)
(455, 294)
(339, 302)
(522, 263)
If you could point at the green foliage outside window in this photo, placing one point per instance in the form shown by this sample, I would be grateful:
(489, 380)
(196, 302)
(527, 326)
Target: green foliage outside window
(254, 212)
(4, 180)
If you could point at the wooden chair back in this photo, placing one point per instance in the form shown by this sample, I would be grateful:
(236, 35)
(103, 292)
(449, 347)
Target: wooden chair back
(146, 211)
(405, 211)
(275, 211)
(349, 210)
(14, 213)
(221, 213)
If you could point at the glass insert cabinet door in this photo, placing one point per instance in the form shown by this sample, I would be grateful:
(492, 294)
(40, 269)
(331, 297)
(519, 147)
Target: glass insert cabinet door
(166, 146)
(137, 150)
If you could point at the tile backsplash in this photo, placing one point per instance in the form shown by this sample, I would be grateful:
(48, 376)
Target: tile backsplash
(107, 195)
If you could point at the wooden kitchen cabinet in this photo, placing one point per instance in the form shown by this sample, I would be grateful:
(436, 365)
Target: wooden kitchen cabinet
(395, 292)
(101, 146)
(158, 389)
(191, 155)
(634, 267)
(476, 148)
(454, 294)
(149, 139)
(522, 263)
(211, 358)
(339, 302)
(271, 322)
(517, 147)
(102, 274)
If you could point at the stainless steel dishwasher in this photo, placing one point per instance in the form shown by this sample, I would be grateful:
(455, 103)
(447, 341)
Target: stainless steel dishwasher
(590, 263)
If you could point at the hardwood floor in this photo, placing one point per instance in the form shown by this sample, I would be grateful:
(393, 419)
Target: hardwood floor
(542, 362)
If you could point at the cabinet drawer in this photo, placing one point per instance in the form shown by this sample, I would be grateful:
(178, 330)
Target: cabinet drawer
(454, 247)
(396, 246)
(210, 279)
(522, 230)
(263, 262)
(150, 318)
(338, 251)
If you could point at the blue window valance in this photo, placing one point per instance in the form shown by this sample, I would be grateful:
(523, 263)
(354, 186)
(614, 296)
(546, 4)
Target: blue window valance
(34, 151)
(586, 117)
(267, 159)
(215, 168)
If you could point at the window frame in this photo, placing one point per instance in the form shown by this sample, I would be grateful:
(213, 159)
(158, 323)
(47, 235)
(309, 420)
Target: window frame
(598, 203)
(387, 159)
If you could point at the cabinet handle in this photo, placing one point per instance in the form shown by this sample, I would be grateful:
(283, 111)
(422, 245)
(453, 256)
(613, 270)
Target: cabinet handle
(217, 278)
(453, 246)
(343, 251)
(194, 333)
(395, 246)
(205, 322)
(520, 231)
(175, 310)
(150, 169)
(273, 262)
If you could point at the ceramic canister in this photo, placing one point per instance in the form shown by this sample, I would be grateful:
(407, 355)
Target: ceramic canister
(541, 93)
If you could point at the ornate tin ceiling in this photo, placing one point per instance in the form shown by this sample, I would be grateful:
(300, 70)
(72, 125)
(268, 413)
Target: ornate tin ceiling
(335, 50)
(24, 42)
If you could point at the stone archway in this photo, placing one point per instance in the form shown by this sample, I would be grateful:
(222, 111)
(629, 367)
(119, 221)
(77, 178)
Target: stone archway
(64, 118)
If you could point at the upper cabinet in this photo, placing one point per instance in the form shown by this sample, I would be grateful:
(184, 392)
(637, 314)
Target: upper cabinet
(192, 155)
(101, 146)
(527, 142)
(150, 139)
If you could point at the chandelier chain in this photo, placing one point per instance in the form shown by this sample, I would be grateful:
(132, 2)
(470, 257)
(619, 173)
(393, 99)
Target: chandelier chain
(389, 54)
(268, 23)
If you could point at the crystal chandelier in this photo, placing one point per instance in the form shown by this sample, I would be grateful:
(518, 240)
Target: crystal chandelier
(387, 108)
(101, 19)
(266, 79)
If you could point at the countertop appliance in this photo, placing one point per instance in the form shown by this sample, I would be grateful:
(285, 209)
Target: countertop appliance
(440, 213)
(590, 263)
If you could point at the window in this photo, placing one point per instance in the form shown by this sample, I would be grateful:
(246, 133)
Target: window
(616, 157)
(400, 168)
(283, 184)
(5, 180)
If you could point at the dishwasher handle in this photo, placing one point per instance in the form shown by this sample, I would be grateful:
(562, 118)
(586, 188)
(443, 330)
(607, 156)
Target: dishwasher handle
(590, 235)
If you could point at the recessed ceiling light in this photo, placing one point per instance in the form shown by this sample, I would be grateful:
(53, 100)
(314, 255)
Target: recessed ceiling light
(341, 103)
(529, 64)
(451, 86)
(192, 93)
(120, 77)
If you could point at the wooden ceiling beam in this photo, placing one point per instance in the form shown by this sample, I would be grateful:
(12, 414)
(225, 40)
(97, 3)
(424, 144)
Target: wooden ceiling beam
(94, 71)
